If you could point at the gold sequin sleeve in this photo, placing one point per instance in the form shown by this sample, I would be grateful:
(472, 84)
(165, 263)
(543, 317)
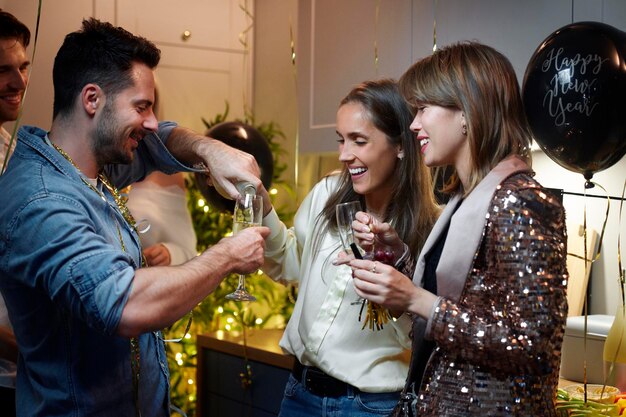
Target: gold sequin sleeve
(511, 315)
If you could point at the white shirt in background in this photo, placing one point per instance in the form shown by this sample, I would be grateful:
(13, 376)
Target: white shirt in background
(7, 368)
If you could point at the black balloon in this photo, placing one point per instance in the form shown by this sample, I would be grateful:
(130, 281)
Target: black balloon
(246, 138)
(574, 94)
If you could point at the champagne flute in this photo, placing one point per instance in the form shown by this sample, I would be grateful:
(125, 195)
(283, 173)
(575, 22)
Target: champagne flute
(376, 316)
(345, 216)
(248, 213)
(346, 213)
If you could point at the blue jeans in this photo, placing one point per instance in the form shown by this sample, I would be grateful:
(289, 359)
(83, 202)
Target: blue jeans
(298, 402)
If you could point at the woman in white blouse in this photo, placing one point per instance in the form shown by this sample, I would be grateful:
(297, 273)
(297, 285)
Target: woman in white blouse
(339, 365)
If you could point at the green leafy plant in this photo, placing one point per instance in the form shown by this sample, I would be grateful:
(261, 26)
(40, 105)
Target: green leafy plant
(274, 303)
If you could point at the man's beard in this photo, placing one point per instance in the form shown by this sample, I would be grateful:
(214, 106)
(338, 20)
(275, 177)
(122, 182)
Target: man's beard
(108, 143)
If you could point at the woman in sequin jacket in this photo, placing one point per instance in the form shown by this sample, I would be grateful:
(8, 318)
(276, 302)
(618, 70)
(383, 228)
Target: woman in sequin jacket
(489, 292)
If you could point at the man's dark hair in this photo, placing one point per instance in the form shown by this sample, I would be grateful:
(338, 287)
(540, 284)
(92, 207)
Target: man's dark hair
(99, 53)
(11, 28)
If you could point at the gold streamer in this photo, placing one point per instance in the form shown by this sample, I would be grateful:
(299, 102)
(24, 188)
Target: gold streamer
(590, 184)
(588, 262)
(621, 282)
(622, 277)
(185, 333)
(243, 40)
(292, 44)
(376, 315)
(435, 2)
(19, 113)
(376, 21)
(243, 36)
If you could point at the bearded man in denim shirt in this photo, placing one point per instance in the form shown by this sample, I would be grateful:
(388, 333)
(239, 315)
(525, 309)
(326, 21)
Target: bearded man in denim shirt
(85, 313)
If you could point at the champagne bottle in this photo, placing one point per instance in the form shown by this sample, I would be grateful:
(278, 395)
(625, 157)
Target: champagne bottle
(245, 187)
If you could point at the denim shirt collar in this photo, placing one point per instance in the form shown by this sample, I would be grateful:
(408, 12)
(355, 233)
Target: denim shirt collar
(37, 139)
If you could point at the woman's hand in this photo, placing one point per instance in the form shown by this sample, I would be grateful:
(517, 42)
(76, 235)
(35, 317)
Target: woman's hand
(384, 285)
(369, 232)
(343, 258)
(157, 255)
(362, 231)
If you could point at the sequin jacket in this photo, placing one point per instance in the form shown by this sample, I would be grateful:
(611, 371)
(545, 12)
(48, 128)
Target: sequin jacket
(499, 323)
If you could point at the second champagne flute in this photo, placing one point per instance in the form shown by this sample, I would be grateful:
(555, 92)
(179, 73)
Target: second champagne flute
(345, 216)
(345, 213)
(248, 213)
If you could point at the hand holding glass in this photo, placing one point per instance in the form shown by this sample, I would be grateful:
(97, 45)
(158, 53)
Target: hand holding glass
(345, 216)
(376, 316)
(248, 213)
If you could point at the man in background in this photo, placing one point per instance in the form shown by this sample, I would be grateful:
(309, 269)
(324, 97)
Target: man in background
(14, 65)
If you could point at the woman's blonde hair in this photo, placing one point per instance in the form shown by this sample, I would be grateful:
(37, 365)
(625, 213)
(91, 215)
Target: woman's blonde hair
(481, 82)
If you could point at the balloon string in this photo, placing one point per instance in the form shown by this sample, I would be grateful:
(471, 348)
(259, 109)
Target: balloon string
(593, 195)
(19, 113)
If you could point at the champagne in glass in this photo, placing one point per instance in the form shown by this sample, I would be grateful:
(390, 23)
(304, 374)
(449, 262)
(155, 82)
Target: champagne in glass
(248, 213)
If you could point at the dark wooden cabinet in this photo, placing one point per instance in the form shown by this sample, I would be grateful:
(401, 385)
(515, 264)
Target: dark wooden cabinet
(222, 362)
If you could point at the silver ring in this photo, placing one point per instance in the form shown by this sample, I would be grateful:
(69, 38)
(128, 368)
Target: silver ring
(373, 270)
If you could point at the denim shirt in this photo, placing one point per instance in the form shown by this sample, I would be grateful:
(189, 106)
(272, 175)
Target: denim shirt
(66, 280)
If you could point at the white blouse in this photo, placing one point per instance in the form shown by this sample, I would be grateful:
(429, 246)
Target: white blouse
(324, 330)
(165, 210)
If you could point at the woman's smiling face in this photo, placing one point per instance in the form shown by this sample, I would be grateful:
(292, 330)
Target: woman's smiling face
(366, 151)
(439, 131)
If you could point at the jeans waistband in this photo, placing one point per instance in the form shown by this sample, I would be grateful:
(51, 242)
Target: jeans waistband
(321, 384)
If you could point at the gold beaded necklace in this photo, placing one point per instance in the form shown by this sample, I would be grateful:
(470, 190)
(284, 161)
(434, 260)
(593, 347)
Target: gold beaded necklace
(123, 208)
(119, 200)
